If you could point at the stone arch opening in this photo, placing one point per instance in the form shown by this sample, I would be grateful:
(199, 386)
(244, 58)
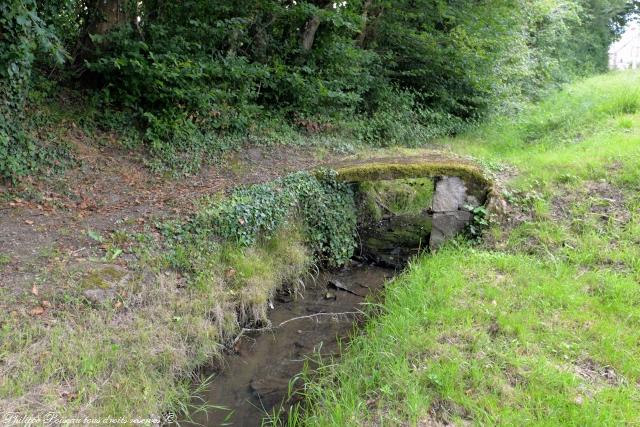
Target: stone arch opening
(457, 186)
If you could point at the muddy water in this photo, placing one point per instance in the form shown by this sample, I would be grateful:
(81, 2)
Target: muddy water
(254, 379)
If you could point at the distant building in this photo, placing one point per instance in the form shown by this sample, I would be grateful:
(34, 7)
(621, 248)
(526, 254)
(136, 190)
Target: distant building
(625, 53)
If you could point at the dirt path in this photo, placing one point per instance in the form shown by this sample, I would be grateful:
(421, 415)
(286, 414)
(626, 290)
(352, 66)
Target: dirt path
(45, 228)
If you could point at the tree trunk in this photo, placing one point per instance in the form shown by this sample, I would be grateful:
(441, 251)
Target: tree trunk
(106, 15)
(365, 15)
(309, 34)
(101, 17)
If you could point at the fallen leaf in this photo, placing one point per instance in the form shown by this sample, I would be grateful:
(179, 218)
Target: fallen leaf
(28, 222)
(45, 304)
(34, 290)
(118, 304)
(36, 311)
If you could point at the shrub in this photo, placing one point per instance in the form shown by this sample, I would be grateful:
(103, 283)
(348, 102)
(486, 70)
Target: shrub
(324, 207)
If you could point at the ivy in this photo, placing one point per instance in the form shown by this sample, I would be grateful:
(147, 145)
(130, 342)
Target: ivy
(480, 221)
(323, 205)
(22, 34)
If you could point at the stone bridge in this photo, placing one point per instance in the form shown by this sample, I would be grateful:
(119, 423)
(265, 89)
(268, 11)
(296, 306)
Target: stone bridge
(459, 184)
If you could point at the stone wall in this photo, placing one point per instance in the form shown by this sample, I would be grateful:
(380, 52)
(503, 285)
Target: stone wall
(452, 201)
(460, 186)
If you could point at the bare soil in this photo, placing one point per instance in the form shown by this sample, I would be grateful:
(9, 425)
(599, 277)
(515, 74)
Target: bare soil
(45, 223)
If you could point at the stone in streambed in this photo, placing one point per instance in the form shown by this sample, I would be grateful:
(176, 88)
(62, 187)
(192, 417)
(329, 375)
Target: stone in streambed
(329, 295)
(270, 390)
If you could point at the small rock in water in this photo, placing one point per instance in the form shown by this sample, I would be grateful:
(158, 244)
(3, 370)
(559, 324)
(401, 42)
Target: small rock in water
(338, 285)
(329, 295)
(269, 389)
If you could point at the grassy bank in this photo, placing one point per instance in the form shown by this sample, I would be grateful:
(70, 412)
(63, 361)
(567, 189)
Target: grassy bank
(539, 325)
(129, 347)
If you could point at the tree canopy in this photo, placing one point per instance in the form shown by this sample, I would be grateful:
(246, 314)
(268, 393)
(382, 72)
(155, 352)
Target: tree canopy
(185, 73)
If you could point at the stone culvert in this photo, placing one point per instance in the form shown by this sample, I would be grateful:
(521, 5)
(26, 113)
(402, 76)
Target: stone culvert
(459, 186)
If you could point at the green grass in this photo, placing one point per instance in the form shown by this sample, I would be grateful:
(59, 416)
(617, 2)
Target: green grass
(540, 325)
(4, 260)
(136, 355)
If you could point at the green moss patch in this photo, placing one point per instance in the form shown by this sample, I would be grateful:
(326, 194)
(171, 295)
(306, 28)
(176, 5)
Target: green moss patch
(397, 197)
(393, 168)
(101, 278)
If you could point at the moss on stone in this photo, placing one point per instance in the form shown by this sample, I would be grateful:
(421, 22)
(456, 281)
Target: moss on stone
(375, 199)
(432, 166)
(385, 170)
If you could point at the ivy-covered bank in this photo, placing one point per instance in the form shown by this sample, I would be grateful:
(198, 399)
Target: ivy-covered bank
(263, 237)
(322, 205)
(125, 342)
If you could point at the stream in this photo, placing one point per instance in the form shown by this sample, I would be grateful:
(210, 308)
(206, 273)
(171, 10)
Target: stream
(254, 378)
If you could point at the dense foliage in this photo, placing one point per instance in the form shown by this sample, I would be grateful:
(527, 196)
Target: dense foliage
(23, 34)
(188, 76)
(323, 206)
